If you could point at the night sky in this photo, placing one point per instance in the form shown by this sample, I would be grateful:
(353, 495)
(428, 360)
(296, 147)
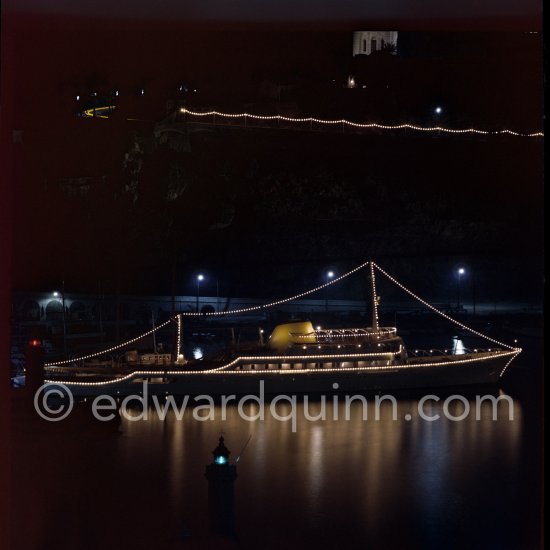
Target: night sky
(417, 13)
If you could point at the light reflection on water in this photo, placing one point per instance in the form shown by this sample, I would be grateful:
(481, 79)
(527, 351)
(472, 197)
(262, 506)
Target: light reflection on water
(381, 480)
(365, 484)
(332, 484)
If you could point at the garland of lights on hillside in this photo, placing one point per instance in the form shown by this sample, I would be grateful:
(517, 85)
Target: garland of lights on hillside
(103, 112)
(372, 125)
(98, 112)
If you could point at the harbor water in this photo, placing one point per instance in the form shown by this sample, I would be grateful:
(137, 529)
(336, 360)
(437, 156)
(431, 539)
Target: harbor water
(400, 482)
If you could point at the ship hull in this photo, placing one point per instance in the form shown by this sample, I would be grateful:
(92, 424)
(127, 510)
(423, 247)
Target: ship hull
(302, 381)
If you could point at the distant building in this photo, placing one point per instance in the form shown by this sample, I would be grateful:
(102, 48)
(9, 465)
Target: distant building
(367, 42)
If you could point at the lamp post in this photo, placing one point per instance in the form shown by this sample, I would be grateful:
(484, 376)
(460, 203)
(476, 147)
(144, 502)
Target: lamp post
(329, 276)
(56, 294)
(460, 272)
(200, 278)
(64, 318)
(472, 278)
(100, 298)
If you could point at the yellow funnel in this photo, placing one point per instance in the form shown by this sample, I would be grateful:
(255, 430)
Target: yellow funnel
(284, 336)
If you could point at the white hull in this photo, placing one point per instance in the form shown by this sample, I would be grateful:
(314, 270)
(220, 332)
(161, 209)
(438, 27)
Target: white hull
(474, 369)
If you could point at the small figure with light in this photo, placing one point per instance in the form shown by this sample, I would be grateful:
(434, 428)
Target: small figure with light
(221, 475)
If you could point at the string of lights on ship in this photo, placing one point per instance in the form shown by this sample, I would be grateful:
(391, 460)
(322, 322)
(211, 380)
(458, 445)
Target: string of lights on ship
(513, 351)
(227, 369)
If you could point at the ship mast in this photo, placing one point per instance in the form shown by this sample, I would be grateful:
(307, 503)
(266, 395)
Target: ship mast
(375, 299)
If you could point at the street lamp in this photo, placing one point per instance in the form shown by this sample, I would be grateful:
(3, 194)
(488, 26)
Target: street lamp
(329, 276)
(460, 272)
(200, 279)
(55, 294)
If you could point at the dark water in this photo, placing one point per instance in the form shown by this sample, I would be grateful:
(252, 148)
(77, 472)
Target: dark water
(350, 484)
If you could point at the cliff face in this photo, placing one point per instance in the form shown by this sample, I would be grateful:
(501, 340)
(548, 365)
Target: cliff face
(280, 206)
(117, 202)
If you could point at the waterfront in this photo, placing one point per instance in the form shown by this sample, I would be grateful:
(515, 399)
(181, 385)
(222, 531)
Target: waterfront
(179, 190)
(385, 484)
